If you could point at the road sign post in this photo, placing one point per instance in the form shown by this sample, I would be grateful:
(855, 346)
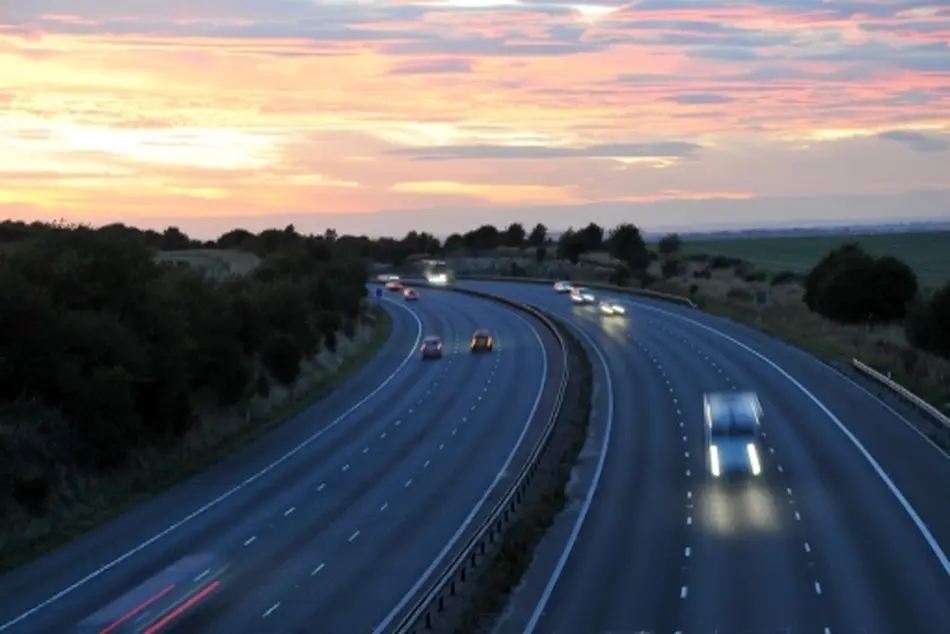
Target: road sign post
(379, 295)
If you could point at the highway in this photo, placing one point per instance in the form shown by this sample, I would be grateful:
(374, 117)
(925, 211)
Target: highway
(333, 518)
(846, 532)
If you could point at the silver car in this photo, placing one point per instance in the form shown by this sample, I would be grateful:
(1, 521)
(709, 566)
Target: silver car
(610, 307)
(562, 287)
(581, 295)
(732, 425)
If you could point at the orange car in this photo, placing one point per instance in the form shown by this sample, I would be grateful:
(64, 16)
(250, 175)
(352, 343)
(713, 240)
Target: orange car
(482, 340)
(394, 286)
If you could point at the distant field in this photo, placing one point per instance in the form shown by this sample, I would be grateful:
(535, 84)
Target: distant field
(927, 253)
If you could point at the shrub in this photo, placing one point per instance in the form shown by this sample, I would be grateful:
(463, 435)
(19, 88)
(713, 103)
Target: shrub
(281, 356)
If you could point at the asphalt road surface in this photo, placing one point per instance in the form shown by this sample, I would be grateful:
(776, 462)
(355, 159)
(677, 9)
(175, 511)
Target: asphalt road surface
(333, 518)
(845, 533)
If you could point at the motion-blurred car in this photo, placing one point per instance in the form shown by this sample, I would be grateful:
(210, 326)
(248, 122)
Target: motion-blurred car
(482, 341)
(562, 287)
(387, 277)
(581, 295)
(732, 425)
(609, 307)
(410, 294)
(162, 601)
(394, 285)
(432, 348)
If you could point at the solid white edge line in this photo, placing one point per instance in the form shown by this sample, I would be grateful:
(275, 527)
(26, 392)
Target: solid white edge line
(394, 613)
(893, 411)
(591, 491)
(915, 518)
(227, 494)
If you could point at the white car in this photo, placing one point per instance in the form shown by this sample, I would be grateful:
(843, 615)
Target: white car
(562, 287)
(608, 307)
(733, 423)
(582, 295)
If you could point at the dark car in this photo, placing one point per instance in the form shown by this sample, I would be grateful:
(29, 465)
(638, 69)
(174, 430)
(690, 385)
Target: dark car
(482, 341)
(163, 600)
(432, 348)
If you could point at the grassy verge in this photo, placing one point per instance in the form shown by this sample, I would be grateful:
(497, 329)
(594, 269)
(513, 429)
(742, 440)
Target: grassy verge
(152, 476)
(547, 500)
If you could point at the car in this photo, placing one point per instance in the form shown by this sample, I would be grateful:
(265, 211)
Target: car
(410, 294)
(610, 307)
(482, 341)
(562, 287)
(394, 285)
(581, 295)
(387, 277)
(732, 425)
(432, 348)
(162, 601)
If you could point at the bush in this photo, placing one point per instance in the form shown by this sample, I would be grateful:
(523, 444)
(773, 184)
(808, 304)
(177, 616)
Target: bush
(672, 268)
(281, 356)
(927, 324)
(119, 348)
(850, 286)
(785, 277)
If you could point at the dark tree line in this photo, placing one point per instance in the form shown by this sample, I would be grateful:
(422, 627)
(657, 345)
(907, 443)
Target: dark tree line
(851, 286)
(124, 347)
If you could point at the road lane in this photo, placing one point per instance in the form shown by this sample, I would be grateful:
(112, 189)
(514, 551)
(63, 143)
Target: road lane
(878, 573)
(345, 571)
(844, 516)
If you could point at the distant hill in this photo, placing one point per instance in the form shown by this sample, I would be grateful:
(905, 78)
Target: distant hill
(791, 232)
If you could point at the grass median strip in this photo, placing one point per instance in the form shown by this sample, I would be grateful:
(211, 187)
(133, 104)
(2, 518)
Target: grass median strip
(156, 473)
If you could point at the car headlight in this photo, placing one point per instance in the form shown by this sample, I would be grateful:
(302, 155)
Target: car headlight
(753, 459)
(438, 278)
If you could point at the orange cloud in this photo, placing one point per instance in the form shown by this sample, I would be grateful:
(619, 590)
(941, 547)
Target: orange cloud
(277, 107)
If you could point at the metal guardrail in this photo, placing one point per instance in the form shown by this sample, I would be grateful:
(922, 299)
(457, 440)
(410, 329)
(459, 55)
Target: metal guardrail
(669, 297)
(419, 616)
(903, 392)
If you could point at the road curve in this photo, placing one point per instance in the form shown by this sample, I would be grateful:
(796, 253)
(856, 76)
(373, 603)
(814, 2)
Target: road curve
(336, 515)
(847, 532)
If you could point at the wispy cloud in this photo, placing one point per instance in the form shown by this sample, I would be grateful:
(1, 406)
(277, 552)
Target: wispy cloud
(137, 109)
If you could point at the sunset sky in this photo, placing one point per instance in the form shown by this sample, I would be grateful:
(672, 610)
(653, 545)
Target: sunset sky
(673, 114)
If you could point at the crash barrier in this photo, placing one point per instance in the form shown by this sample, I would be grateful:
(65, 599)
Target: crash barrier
(668, 297)
(420, 612)
(903, 392)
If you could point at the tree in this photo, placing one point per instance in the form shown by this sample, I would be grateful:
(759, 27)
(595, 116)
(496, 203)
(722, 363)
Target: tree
(591, 238)
(928, 323)
(627, 245)
(540, 253)
(851, 286)
(570, 246)
(669, 245)
(482, 239)
(538, 236)
(514, 235)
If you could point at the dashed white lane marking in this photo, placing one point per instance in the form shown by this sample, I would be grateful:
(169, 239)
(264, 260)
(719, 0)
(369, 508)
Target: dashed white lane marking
(382, 435)
(798, 516)
(355, 534)
(250, 540)
(365, 449)
(689, 519)
(271, 610)
(455, 431)
(408, 483)
(318, 569)
(817, 587)
(399, 422)
(688, 551)
(322, 486)
(441, 446)
(807, 547)
(346, 467)
(426, 464)
(683, 592)
(384, 507)
(290, 510)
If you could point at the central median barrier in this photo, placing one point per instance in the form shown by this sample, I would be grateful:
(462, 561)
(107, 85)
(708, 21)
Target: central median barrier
(480, 572)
